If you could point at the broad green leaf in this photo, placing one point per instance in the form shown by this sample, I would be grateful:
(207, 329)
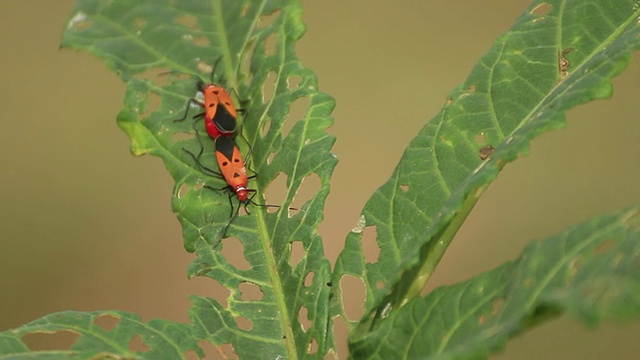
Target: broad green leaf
(559, 54)
(163, 339)
(590, 270)
(252, 44)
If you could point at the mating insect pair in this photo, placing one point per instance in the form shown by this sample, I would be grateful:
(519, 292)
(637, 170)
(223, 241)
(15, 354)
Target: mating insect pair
(220, 118)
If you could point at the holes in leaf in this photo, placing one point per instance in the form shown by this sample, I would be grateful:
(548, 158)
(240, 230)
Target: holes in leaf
(341, 332)
(481, 137)
(294, 81)
(303, 319)
(227, 351)
(269, 87)
(188, 21)
(270, 45)
(175, 82)
(266, 125)
(353, 296)
(308, 280)
(297, 253)
(182, 136)
(331, 355)
(267, 20)
(297, 112)
(232, 250)
(244, 323)
(191, 355)
(59, 340)
(404, 188)
(271, 157)
(245, 60)
(370, 245)
(307, 190)
(313, 347)
(151, 105)
(138, 344)
(542, 9)
(107, 322)
(250, 292)
(211, 351)
(213, 290)
(277, 190)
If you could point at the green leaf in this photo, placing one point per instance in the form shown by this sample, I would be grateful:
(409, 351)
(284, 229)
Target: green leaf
(143, 38)
(164, 339)
(517, 91)
(591, 270)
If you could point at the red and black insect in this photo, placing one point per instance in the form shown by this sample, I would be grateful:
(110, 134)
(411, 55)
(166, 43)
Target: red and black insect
(220, 114)
(234, 172)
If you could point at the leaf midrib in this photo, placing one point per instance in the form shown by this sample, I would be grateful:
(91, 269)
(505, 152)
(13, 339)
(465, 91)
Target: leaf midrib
(265, 240)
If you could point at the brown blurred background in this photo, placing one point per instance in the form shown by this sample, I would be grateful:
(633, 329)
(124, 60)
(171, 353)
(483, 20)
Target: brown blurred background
(87, 226)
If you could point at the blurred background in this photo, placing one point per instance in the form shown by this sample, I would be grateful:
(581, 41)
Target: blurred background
(87, 226)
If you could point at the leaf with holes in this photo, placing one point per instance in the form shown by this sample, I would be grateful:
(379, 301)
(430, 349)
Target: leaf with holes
(252, 45)
(590, 270)
(558, 55)
(104, 335)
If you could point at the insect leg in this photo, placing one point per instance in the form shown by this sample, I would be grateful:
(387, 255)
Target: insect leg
(191, 101)
(196, 158)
